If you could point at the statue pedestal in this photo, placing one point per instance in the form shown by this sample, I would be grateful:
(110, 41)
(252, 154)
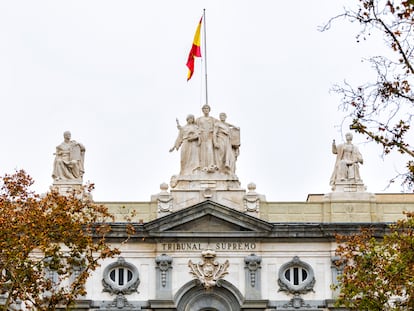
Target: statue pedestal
(203, 180)
(188, 190)
(349, 196)
(192, 189)
(349, 190)
(349, 202)
(347, 186)
(67, 187)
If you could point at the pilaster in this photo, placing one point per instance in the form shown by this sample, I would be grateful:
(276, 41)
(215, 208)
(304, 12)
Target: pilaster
(163, 277)
(253, 277)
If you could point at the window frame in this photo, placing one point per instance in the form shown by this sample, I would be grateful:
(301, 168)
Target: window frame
(128, 286)
(289, 284)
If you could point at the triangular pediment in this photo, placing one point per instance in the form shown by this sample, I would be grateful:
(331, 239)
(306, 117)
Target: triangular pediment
(207, 217)
(209, 223)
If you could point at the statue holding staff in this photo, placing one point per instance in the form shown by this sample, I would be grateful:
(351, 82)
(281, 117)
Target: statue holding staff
(347, 162)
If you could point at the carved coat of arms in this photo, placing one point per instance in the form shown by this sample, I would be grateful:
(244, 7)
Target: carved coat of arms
(208, 272)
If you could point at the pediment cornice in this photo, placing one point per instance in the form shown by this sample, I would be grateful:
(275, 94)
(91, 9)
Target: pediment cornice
(220, 218)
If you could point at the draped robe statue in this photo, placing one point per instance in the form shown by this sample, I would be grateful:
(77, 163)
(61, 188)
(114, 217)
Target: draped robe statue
(188, 141)
(69, 160)
(225, 152)
(347, 162)
(208, 145)
(205, 124)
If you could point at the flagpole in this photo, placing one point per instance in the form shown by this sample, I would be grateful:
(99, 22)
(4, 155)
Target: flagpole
(205, 53)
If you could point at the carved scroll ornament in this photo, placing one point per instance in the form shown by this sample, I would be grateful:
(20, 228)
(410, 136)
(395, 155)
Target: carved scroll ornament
(209, 272)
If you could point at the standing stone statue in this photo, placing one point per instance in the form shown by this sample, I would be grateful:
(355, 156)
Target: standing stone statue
(209, 149)
(188, 140)
(347, 162)
(205, 124)
(225, 152)
(208, 145)
(69, 160)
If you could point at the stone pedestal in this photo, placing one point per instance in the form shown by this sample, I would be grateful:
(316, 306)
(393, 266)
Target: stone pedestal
(204, 180)
(347, 190)
(68, 187)
(188, 190)
(349, 196)
(192, 189)
(346, 186)
(349, 202)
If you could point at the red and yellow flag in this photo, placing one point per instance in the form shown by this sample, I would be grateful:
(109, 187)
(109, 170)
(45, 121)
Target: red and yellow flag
(195, 51)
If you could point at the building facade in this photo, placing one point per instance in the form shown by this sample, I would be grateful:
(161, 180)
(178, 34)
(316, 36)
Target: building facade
(203, 243)
(212, 256)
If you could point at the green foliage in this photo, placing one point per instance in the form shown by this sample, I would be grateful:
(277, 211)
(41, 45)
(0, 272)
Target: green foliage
(378, 274)
(48, 244)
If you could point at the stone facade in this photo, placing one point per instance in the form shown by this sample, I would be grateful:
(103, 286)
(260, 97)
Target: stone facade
(205, 243)
(280, 261)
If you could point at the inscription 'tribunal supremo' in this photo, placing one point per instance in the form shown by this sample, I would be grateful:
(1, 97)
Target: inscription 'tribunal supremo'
(219, 246)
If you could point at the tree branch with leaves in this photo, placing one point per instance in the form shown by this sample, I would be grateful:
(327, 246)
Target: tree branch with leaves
(382, 109)
(49, 244)
(377, 273)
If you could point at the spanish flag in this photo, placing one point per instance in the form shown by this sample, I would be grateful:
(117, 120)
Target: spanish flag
(195, 51)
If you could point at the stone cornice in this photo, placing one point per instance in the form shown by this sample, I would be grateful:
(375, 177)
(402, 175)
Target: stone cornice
(279, 232)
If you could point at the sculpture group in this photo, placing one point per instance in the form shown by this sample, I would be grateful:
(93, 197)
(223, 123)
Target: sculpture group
(207, 144)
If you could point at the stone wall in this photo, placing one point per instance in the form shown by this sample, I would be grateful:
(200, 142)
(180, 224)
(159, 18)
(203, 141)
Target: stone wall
(317, 209)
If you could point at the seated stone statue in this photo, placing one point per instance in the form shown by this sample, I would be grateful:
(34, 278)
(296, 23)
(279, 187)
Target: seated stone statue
(347, 162)
(69, 160)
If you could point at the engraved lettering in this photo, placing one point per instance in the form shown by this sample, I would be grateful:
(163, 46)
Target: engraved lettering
(223, 246)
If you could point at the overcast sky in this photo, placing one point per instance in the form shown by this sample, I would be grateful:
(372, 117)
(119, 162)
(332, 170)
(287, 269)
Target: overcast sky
(113, 73)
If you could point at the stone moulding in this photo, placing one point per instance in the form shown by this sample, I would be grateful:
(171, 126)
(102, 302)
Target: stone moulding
(253, 265)
(164, 264)
(305, 286)
(129, 287)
